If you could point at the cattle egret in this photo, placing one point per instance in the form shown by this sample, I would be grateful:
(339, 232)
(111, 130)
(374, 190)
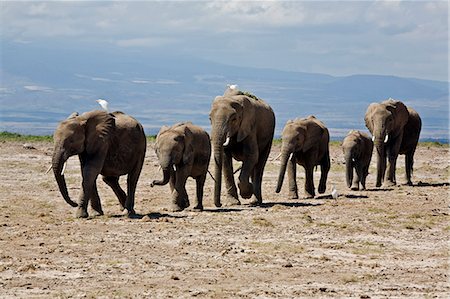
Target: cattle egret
(334, 193)
(103, 103)
(232, 86)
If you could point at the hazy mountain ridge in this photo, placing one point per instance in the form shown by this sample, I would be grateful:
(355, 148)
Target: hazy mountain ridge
(41, 88)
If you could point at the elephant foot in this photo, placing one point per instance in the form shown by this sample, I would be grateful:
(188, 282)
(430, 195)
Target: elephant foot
(322, 189)
(197, 208)
(245, 190)
(175, 208)
(293, 195)
(355, 188)
(231, 201)
(97, 213)
(255, 202)
(81, 213)
(131, 213)
(408, 183)
(389, 184)
(308, 195)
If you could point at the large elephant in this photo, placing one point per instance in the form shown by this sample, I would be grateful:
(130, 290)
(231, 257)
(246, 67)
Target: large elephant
(395, 129)
(305, 142)
(183, 150)
(242, 128)
(110, 144)
(357, 148)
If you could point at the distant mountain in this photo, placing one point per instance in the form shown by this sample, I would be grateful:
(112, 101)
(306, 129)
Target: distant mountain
(42, 84)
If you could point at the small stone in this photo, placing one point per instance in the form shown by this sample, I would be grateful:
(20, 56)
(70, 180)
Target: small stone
(146, 218)
(28, 146)
(287, 265)
(174, 277)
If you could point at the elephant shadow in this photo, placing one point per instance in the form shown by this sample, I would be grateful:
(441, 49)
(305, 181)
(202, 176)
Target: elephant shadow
(290, 204)
(222, 210)
(379, 189)
(152, 216)
(342, 195)
(425, 184)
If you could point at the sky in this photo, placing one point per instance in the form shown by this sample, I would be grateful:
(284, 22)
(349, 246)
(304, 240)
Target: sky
(401, 38)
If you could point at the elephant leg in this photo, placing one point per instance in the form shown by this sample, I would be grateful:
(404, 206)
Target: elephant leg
(392, 155)
(132, 180)
(200, 183)
(113, 182)
(324, 169)
(309, 182)
(409, 162)
(89, 177)
(96, 205)
(230, 185)
(257, 176)
(365, 172)
(245, 187)
(358, 177)
(292, 177)
(180, 199)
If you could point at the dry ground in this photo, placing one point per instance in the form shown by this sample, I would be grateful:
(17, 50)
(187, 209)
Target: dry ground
(376, 243)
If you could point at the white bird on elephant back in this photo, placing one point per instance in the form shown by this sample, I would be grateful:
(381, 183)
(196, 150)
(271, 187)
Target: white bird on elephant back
(104, 104)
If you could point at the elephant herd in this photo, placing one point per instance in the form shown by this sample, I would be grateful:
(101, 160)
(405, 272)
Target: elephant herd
(242, 128)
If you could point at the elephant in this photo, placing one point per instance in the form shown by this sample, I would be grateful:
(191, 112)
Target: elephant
(395, 129)
(242, 127)
(305, 142)
(183, 150)
(357, 147)
(110, 144)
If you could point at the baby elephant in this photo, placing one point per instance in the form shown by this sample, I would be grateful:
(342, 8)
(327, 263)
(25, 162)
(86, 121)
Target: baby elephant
(357, 148)
(183, 151)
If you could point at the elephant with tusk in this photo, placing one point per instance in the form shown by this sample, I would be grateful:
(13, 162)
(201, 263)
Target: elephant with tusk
(242, 127)
(110, 144)
(183, 151)
(395, 129)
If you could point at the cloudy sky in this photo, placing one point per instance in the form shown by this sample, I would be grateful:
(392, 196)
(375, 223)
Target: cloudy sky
(403, 38)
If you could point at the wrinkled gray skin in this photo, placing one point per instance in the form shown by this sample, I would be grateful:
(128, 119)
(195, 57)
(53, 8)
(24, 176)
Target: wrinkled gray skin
(357, 148)
(110, 144)
(305, 142)
(183, 151)
(248, 124)
(395, 130)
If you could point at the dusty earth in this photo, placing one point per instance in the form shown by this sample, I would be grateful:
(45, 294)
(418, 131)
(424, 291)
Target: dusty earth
(366, 244)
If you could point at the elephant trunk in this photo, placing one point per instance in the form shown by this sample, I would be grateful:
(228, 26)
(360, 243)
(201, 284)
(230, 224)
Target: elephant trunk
(349, 168)
(58, 161)
(166, 177)
(381, 162)
(219, 135)
(286, 154)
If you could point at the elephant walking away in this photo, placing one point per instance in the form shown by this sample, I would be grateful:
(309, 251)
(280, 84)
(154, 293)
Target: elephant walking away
(395, 129)
(305, 142)
(110, 144)
(242, 127)
(183, 151)
(357, 148)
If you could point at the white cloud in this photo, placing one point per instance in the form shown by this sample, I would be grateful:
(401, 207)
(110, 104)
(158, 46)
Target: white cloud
(38, 88)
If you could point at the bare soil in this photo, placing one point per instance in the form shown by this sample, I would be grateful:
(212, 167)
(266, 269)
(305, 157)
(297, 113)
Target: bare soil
(366, 244)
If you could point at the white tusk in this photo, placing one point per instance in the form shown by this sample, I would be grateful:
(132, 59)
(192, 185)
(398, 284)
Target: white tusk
(174, 167)
(373, 138)
(159, 168)
(227, 141)
(51, 166)
(64, 168)
(277, 157)
(291, 155)
(386, 138)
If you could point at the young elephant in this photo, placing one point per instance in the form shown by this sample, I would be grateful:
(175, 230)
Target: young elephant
(357, 148)
(183, 151)
(110, 144)
(305, 142)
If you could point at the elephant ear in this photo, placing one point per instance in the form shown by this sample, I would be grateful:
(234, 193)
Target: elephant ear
(368, 116)
(99, 127)
(248, 119)
(188, 147)
(399, 111)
